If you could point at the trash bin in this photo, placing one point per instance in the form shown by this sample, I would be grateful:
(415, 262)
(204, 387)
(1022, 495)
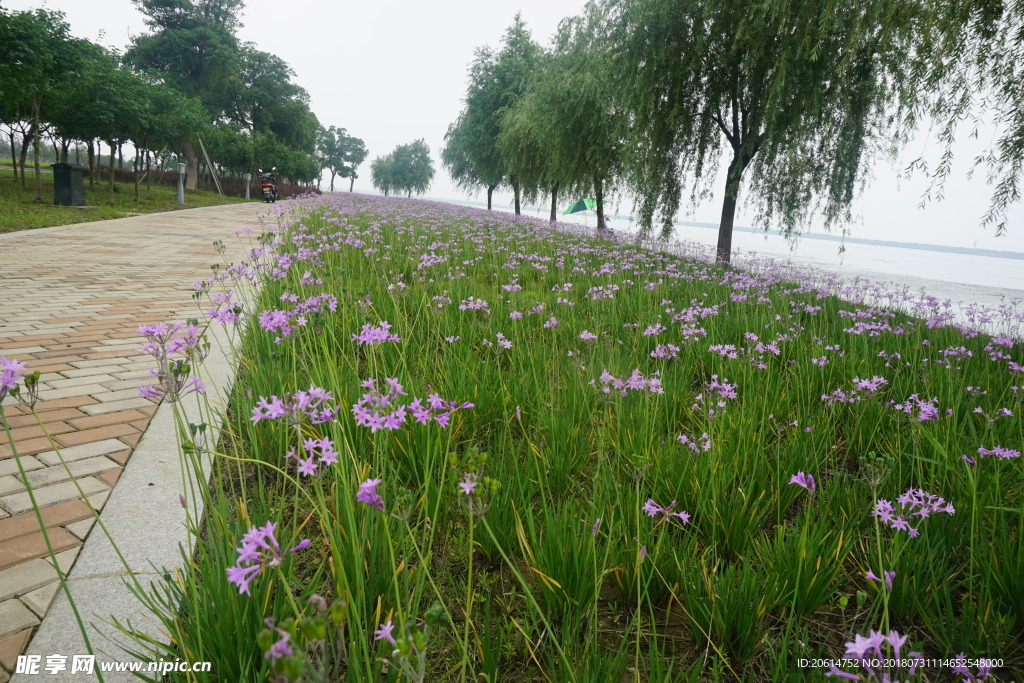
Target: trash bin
(68, 184)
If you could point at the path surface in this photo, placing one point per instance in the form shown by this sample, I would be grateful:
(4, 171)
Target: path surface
(71, 299)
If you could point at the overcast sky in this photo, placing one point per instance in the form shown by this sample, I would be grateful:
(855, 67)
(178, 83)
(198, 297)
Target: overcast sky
(391, 72)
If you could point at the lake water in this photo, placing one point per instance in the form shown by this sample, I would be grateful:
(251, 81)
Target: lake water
(964, 279)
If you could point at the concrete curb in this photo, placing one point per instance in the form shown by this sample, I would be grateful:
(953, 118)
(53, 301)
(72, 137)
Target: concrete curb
(147, 522)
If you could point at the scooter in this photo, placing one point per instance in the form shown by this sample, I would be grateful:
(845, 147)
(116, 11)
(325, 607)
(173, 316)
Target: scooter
(268, 186)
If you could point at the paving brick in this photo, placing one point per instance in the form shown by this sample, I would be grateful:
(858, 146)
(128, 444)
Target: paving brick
(110, 477)
(44, 416)
(35, 431)
(69, 382)
(29, 447)
(40, 599)
(97, 434)
(113, 362)
(10, 465)
(132, 439)
(48, 404)
(54, 515)
(82, 527)
(87, 450)
(66, 559)
(90, 372)
(78, 468)
(30, 546)
(48, 495)
(12, 646)
(67, 392)
(10, 484)
(121, 457)
(102, 408)
(119, 392)
(14, 617)
(107, 419)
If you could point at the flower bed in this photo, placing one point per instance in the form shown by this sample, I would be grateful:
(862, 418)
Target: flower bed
(471, 446)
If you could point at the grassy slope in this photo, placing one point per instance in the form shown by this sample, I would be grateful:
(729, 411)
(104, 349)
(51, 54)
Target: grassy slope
(19, 211)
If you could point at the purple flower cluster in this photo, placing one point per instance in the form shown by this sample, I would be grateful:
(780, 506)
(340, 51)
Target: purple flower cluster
(889, 576)
(10, 371)
(623, 385)
(665, 351)
(318, 452)
(998, 451)
(367, 493)
(475, 304)
(696, 445)
(381, 409)
(172, 374)
(804, 480)
(652, 509)
(260, 550)
(913, 503)
(378, 334)
(867, 650)
(918, 408)
(297, 408)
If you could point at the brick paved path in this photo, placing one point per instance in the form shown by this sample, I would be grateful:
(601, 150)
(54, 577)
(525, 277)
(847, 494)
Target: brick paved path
(71, 299)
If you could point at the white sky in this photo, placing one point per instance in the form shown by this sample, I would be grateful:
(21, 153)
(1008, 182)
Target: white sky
(391, 72)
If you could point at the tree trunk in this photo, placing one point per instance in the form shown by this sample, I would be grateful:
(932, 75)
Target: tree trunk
(91, 151)
(599, 190)
(554, 203)
(192, 179)
(515, 192)
(26, 140)
(110, 185)
(490, 192)
(14, 158)
(332, 181)
(351, 181)
(36, 104)
(732, 186)
(135, 168)
(64, 145)
(149, 178)
(120, 156)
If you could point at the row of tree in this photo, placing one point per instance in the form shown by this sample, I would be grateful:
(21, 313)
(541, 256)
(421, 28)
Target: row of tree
(646, 96)
(189, 89)
(408, 168)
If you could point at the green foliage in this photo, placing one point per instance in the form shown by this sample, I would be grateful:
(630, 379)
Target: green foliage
(796, 93)
(496, 80)
(408, 168)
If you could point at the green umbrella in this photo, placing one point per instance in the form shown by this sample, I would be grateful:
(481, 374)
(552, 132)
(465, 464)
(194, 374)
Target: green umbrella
(582, 205)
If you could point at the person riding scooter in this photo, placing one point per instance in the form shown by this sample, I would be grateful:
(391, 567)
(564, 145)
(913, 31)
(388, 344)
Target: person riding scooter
(267, 185)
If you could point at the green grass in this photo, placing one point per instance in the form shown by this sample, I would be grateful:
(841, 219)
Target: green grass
(19, 211)
(520, 581)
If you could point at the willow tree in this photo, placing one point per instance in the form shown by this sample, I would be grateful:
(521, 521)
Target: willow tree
(569, 115)
(795, 94)
(496, 81)
(970, 59)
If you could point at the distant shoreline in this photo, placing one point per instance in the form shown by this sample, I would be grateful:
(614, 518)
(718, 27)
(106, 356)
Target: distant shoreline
(920, 246)
(971, 251)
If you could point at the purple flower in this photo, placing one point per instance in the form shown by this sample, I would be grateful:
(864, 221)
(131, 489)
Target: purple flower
(383, 632)
(913, 503)
(805, 480)
(468, 484)
(998, 451)
(376, 335)
(593, 529)
(296, 408)
(889, 576)
(259, 550)
(279, 649)
(10, 371)
(653, 509)
(368, 494)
